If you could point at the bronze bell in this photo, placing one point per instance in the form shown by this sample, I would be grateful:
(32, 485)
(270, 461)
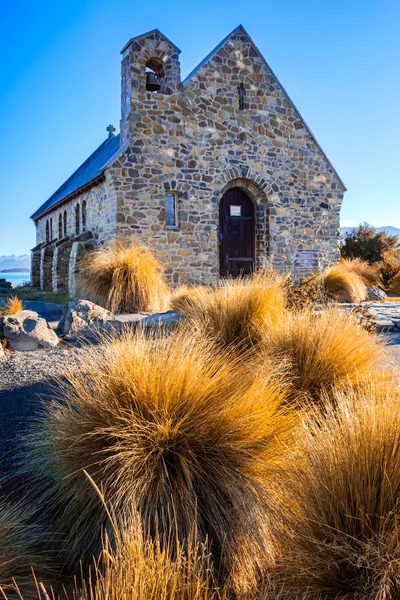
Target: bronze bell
(152, 84)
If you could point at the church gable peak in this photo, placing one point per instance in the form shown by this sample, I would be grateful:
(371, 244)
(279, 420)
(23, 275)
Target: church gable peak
(153, 35)
(233, 43)
(238, 30)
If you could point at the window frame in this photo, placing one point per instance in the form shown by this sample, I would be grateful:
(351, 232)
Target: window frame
(175, 195)
(77, 219)
(60, 227)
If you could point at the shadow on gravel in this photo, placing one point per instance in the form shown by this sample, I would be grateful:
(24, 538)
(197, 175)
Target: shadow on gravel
(19, 410)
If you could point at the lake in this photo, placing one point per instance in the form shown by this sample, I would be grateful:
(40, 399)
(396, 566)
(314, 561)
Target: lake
(16, 278)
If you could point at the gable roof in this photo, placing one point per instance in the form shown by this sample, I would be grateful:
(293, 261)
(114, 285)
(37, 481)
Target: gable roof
(220, 45)
(152, 32)
(88, 172)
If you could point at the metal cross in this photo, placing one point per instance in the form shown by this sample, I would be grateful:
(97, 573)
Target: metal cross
(111, 130)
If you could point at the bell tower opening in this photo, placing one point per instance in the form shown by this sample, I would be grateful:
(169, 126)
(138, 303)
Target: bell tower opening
(155, 73)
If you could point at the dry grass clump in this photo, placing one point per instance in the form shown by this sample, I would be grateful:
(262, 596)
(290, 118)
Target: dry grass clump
(16, 555)
(341, 534)
(369, 273)
(184, 435)
(233, 314)
(309, 293)
(394, 284)
(141, 569)
(12, 306)
(344, 285)
(124, 278)
(322, 350)
(185, 298)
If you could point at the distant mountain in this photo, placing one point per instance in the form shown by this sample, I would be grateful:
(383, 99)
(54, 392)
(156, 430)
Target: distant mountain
(12, 262)
(389, 229)
(15, 270)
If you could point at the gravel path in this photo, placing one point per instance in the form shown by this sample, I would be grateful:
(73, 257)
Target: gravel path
(26, 379)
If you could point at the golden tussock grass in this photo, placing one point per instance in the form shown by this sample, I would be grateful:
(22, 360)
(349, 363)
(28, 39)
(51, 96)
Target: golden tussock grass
(12, 306)
(124, 278)
(137, 568)
(341, 521)
(17, 558)
(232, 315)
(144, 569)
(184, 435)
(394, 284)
(184, 299)
(344, 285)
(322, 350)
(369, 273)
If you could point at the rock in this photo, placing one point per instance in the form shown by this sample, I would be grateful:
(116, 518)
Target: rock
(26, 331)
(384, 325)
(83, 317)
(375, 293)
(47, 310)
(1, 351)
(6, 285)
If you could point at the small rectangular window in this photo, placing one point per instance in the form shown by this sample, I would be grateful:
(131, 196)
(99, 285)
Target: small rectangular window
(171, 211)
(235, 210)
(241, 96)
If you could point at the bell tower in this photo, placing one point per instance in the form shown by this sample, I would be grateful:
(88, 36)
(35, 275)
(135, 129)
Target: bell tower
(150, 72)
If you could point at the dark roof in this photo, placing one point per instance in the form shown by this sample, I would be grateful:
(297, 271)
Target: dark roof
(220, 45)
(90, 170)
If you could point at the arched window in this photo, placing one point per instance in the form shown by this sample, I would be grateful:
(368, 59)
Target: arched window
(77, 219)
(65, 223)
(84, 215)
(154, 75)
(51, 229)
(47, 232)
(60, 227)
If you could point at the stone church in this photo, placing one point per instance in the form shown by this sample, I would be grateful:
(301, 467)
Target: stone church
(216, 174)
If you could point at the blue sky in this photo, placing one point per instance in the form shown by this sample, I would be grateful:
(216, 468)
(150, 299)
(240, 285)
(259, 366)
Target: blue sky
(60, 87)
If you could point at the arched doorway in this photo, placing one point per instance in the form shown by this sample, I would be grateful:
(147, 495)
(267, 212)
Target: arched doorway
(236, 234)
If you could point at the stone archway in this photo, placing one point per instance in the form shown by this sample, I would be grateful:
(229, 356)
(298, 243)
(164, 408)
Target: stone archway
(78, 251)
(35, 267)
(236, 235)
(258, 190)
(46, 268)
(61, 267)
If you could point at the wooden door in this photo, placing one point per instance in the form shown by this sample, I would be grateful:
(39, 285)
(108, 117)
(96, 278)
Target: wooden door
(236, 234)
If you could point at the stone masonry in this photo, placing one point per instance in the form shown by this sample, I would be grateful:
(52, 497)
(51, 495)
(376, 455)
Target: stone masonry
(229, 124)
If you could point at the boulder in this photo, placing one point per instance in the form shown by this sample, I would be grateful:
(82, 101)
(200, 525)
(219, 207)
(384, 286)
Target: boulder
(1, 351)
(26, 331)
(375, 293)
(384, 325)
(83, 317)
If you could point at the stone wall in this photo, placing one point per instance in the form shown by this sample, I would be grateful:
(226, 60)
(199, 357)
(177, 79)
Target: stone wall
(52, 263)
(196, 141)
(230, 124)
(100, 215)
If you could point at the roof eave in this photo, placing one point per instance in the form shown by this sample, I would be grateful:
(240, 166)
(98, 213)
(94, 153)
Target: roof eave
(84, 188)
